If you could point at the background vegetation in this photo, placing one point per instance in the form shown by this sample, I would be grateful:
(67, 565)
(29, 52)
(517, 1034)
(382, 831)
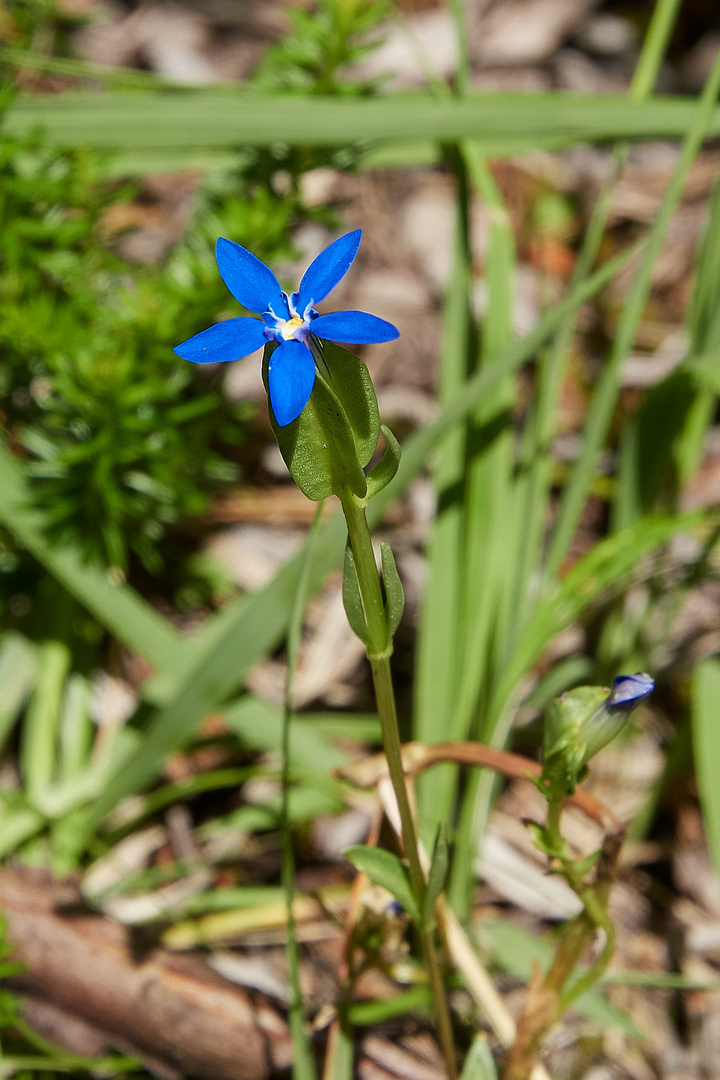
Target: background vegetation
(127, 650)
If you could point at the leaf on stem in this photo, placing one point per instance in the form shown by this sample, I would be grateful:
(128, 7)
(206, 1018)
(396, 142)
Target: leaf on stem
(479, 1063)
(438, 875)
(388, 465)
(386, 870)
(394, 595)
(352, 599)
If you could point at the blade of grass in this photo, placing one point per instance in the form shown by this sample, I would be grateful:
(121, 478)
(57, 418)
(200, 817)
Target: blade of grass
(17, 672)
(76, 728)
(667, 433)
(706, 748)
(489, 524)
(303, 1061)
(439, 647)
(536, 459)
(607, 389)
(527, 509)
(501, 124)
(490, 528)
(38, 748)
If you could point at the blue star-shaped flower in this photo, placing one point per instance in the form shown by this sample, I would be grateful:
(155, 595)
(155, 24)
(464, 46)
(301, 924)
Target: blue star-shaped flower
(288, 320)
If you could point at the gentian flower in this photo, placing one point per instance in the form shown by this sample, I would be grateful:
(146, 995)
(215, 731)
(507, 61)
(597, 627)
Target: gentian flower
(287, 320)
(610, 718)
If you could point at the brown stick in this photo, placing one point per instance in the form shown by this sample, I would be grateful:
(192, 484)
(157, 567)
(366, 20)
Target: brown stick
(419, 756)
(171, 1009)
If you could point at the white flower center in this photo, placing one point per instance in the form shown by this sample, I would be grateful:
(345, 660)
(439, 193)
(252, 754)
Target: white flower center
(288, 328)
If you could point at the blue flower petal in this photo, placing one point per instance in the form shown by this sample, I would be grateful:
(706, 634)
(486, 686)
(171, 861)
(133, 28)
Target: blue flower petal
(291, 376)
(629, 689)
(323, 274)
(355, 327)
(249, 280)
(229, 340)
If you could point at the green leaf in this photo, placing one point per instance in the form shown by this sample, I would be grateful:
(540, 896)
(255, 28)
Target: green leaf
(416, 999)
(499, 123)
(76, 728)
(17, 670)
(438, 875)
(352, 600)
(384, 869)
(39, 734)
(394, 595)
(348, 377)
(388, 465)
(706, 746)
(318, 447)
(479, 1063)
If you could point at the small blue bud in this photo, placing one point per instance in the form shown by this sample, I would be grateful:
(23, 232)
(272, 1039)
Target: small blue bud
(628, 690)
(608, 720)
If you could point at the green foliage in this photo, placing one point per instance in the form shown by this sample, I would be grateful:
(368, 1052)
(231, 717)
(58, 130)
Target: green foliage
(515, 950)
(119, 442)
(385, 869)
(394, 593)
(437, 876)
(352, 600)
(479, 1063)
(324, 41)
(9, 1003)
(335, 435)
(381, 475)
(122, 438)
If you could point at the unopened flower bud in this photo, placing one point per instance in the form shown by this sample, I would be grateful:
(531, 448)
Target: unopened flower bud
(608, 720)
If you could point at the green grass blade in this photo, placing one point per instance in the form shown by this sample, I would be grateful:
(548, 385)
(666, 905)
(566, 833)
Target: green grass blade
(38, 749)
(303, 1060)
(17, 826)
(664, 440)
(536, 459)
(606, 391)
(654, 48)
(501, 124)
(439, 645)
(17, 672)
(490, 526)
(76, 728)
(706, 748)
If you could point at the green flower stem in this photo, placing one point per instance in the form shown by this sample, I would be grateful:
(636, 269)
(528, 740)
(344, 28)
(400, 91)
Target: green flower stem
(553, 824)
(379, 650)
(597, 913)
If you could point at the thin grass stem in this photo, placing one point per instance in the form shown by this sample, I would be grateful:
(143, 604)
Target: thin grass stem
(303, 1060)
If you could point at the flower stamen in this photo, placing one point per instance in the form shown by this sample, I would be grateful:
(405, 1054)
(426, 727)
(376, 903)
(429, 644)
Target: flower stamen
(289, 326)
